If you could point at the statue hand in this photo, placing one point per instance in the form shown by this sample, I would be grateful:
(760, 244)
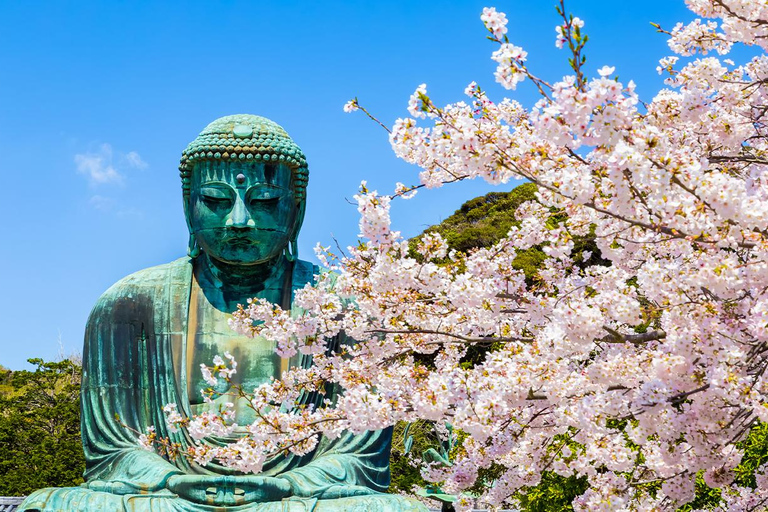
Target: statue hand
(346, 491)
(111, 487)
(229, 490)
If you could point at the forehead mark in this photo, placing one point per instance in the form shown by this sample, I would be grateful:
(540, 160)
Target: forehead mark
(229, 173)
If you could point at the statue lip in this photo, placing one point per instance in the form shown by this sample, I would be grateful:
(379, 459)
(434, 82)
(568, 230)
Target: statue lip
(245, 237)
(240, 240)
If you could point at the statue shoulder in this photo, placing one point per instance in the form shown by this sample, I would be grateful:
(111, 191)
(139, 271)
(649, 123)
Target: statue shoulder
(142, 287)
(326, 274)
(307, 272)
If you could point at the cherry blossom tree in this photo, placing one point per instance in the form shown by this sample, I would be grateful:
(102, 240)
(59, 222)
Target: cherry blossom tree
(638, 375)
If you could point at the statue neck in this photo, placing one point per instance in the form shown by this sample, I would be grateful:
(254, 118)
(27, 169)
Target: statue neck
(247, 280)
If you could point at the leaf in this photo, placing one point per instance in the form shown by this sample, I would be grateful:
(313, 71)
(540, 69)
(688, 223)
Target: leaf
(436, 494)
(432, 455)
(408, 444)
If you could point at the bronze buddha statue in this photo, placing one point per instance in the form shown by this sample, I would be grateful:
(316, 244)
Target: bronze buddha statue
(244, 186)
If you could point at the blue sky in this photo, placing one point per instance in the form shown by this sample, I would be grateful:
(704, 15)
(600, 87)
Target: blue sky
(97, 100)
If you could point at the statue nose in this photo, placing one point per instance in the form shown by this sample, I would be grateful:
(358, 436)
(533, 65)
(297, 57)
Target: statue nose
(240, 217)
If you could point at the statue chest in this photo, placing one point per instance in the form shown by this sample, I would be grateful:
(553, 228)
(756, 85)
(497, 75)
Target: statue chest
(209, 335)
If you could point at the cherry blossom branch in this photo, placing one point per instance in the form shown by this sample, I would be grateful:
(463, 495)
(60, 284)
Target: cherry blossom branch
(636, 339)
(354, 104)
(464, 339)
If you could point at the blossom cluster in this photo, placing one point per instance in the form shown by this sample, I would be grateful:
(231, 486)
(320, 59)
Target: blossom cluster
(637, 374)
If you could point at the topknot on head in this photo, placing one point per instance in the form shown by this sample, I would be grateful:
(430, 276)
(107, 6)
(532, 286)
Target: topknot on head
(246, 138)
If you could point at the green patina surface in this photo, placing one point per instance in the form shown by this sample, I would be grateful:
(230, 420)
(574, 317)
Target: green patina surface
(244, 187)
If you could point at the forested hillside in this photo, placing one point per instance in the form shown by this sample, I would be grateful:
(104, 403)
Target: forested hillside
(40, 427)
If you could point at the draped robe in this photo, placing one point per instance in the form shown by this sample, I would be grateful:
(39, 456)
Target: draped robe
(134, 363)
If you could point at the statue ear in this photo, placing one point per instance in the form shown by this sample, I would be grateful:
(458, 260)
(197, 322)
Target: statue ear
(193, 249)
(302, 208)
(292, 251)
(186, 212)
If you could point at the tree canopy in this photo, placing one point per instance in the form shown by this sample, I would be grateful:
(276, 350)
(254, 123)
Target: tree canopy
(40, 442)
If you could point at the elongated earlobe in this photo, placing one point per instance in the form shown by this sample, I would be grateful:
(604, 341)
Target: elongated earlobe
(292, 250)
(193, 251)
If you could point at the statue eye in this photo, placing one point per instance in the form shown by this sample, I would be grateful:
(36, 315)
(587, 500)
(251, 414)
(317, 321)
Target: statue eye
(215, 196)
(264, 193)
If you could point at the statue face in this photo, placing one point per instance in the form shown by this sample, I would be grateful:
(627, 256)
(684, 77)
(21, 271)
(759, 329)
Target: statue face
(242, 213)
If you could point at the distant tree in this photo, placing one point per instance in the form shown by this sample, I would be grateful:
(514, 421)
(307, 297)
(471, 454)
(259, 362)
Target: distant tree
(5, 381)
(40, 442)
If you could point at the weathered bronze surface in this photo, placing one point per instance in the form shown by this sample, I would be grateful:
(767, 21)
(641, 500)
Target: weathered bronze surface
(244, 187)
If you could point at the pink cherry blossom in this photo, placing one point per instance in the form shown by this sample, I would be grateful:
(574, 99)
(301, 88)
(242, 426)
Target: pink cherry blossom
(646, 368)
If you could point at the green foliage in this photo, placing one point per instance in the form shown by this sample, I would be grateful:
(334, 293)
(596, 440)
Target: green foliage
(706, 497)
(553, 494)
(755, 447)
(482, 221)
(405, 473)
(40, 442)
(6, 388)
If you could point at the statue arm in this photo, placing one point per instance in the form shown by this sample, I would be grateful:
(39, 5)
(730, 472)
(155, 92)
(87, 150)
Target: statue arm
(113, 387)
(351, 465)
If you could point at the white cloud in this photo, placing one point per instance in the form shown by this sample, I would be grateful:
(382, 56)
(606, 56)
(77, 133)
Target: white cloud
(133, 159)
(130, 213)
(101, 203)
(103, 167)
(98, 166)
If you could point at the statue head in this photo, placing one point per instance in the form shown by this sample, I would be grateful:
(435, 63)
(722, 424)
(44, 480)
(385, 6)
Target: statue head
(244, 182)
